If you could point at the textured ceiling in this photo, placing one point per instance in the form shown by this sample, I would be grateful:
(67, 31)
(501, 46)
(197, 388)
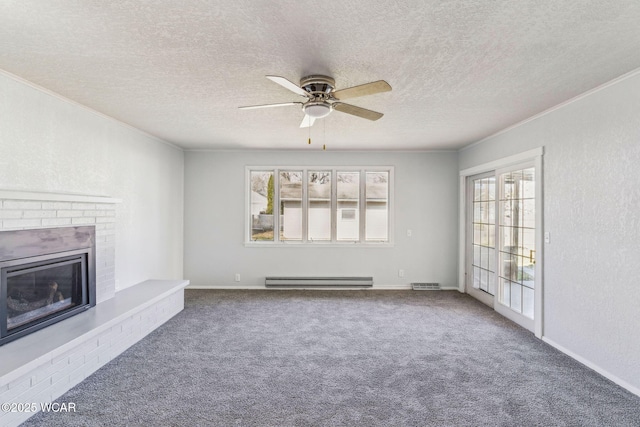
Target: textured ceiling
(460, 70)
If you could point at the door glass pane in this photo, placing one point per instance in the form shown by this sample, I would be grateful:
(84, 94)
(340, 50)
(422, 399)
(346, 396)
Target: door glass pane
(516, 297)
(476, 255)
(377, 206)
(483, 237)
(476, 234)
(492, 283)
(291, 205)
(492, 260)
(505, 292)
(484, 280)
(484, 257)
(528, 184)
(492, 236)
(517, 240)
(527, 302)
(348, 206)
(261, 201)
(319, 205)
(529, 213)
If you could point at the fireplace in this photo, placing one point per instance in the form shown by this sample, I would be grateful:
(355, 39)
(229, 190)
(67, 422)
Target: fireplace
(46, 275)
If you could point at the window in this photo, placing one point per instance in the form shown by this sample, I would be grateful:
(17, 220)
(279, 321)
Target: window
(261, 217)
(319, 205)
(348, 204)
(291, 205)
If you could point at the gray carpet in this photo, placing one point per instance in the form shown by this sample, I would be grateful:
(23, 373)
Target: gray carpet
(343, 358)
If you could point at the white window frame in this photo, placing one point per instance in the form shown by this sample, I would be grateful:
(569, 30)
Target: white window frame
(276, 242)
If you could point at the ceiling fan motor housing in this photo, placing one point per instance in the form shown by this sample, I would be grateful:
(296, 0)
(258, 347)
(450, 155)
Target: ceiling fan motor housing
(318, 85)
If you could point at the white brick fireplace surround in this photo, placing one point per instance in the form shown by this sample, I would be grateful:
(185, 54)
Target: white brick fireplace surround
(42, 366)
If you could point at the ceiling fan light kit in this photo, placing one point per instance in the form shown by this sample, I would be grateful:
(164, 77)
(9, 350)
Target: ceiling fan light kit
(322, 98)
(317, 110)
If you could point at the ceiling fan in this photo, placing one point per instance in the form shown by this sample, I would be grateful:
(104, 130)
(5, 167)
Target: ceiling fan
(322, 98)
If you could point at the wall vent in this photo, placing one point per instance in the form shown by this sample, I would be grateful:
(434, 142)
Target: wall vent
(425, 286)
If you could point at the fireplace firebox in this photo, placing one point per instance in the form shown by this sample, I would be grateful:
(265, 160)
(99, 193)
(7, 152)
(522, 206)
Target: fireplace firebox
(46, 275)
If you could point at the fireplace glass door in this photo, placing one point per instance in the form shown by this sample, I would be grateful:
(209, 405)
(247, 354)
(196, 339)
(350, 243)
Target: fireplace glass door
(36, 292)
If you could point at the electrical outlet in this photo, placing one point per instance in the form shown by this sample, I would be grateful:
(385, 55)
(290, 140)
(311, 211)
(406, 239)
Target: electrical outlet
(401, 273)
(409, 233)
(237, 277)
(547, 237)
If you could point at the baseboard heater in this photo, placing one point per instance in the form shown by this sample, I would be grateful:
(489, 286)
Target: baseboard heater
(318, 282)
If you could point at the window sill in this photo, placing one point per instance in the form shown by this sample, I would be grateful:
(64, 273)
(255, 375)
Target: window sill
(318, 245)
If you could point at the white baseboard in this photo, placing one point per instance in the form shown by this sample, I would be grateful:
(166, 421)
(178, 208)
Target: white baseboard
(402, 287)
(622, 383)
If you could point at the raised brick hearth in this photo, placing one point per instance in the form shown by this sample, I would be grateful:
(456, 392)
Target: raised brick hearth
(40, 367)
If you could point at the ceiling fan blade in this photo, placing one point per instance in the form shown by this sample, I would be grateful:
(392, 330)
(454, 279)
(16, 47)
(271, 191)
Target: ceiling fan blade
(307, 121)
(357, 111)
(362, 90)
(253, 107)
(289, 85)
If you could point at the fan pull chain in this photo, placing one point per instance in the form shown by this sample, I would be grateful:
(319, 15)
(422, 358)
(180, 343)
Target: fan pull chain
(324, 135)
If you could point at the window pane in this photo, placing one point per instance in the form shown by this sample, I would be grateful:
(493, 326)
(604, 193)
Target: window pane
(348, 206)
(377, 206)
(290, 205)
(261, 205)
(319, 205)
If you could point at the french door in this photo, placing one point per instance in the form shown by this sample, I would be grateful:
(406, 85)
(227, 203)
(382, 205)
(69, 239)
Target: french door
(481, 231)
(502, 234)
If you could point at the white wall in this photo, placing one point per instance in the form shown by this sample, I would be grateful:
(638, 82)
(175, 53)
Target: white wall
(425, 202)
(592, 210)
(51, 145)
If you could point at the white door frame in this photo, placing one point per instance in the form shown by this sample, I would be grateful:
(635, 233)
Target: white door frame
(534, 155)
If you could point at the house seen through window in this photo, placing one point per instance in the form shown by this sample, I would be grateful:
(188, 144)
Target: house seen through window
(312, 205)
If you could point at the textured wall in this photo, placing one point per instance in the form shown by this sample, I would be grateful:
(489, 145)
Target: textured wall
(425, 202)
(592, 210)
(54, 146)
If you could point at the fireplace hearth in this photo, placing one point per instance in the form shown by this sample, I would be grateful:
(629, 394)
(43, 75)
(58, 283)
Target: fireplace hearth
(46, 275)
